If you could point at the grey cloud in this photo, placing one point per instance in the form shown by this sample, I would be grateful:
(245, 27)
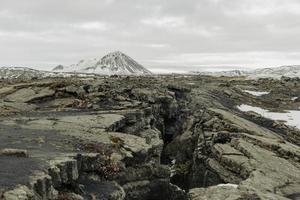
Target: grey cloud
(157, 33)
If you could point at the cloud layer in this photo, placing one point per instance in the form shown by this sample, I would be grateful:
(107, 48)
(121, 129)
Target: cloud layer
(161, 34)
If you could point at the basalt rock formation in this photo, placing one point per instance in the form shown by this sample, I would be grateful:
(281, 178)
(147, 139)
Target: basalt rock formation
(163, 137)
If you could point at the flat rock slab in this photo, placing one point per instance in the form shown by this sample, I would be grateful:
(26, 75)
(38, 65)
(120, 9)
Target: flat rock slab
(46, 138)
(16, 106)
(29, 94)
(72, 121)
(41, 146)
(246, 124)
(16, 171)
(215, 193)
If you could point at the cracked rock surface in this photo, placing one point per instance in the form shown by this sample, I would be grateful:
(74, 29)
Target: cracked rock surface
(153, 137)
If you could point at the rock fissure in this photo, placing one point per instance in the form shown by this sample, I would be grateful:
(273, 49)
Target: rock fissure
(118, 138)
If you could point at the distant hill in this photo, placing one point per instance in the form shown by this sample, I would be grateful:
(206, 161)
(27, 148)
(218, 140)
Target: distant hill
(22, 73)
(277, 72)
(113, 63)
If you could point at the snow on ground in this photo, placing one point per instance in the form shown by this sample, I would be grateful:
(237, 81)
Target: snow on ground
(256, 93)
(172, 168)
(228, 185)
(291, 117)
(294, 98)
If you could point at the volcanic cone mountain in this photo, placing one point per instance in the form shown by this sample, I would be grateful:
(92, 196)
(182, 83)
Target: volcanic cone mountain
(112, 63)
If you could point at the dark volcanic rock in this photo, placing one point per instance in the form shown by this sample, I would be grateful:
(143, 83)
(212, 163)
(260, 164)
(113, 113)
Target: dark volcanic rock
(164, 137)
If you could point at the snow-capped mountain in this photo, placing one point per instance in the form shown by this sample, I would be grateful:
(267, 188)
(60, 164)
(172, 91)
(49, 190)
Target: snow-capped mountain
(113, 63)
(22, 73)
(277, 72)
(230, 73)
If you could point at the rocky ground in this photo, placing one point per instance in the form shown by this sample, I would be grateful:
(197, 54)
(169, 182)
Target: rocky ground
(159, 137)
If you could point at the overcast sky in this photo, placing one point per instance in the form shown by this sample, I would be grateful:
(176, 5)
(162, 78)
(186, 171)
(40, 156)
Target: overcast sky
(162, 35)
